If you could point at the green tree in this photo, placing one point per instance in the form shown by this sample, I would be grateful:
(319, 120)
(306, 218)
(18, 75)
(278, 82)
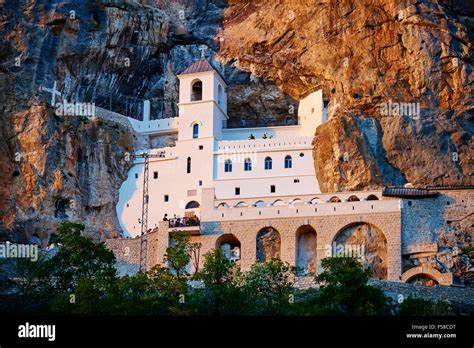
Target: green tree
(344, 289)
(80, 257)
(223, 284)
(270, 282)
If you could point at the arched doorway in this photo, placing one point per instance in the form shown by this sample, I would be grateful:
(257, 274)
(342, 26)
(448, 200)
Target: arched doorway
(365, 241)
(230, 246)
(306, 250)
(268, 244)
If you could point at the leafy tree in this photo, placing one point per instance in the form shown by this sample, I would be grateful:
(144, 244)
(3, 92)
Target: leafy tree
(344, 289)
(223, 282)
(270, 282)
(177, 256)
(80, 257)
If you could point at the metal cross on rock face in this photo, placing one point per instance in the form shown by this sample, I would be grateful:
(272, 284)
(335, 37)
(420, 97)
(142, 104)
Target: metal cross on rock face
(54, 92)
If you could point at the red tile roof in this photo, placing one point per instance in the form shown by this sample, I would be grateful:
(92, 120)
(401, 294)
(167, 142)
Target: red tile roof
(202, 65)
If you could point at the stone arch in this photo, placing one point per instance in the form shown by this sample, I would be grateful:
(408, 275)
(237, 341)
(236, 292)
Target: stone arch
(259, 204)
(372, 198)
(277, 203)
(306, 250)
(315, 200)
(295, 201)
(268, 244)
(367, 242)
(241, 204)
(426, 275)
(353, 198)
(230, 245)
(222, 205)
(334, 199)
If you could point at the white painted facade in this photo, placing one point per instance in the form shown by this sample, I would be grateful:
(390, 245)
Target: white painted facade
(206, 146)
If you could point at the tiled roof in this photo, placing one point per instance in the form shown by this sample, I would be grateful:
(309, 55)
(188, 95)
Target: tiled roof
(405, 192)
(202, 65)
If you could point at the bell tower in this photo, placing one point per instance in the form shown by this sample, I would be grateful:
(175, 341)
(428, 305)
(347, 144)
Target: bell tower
(202, 102)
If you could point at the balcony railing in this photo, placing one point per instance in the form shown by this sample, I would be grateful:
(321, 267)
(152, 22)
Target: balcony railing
(184, 222)
(256, 123)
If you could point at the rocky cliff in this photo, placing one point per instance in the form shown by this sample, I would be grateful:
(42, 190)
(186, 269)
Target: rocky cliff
(363, 54)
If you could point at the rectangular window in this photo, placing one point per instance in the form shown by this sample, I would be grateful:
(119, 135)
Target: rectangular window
(200, 182)
(272, 188)
(201, 147)
(136, 176)
(155, 175)
(237, 191)
(167, 198)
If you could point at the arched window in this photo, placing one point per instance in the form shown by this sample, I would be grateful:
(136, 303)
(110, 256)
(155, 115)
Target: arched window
(268, 163)
(195, 131)
(259, 204)
(288, 162)
(192, 205)
(196, 91)
(372, 198)
(228, 166)
(248, 165)
(188, 165)
(219, 95)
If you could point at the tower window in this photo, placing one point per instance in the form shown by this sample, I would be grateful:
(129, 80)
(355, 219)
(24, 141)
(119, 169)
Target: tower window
(200, 182)
(247, 165)
(201, 147)
(136, 176)
(272, 188)
(219, 95)
(237, 191)
(228, 166)
(268, 163)
(188, 165)
(196, 91)
(155, 175)
(195, 131)
(166, 198)
(288, 162)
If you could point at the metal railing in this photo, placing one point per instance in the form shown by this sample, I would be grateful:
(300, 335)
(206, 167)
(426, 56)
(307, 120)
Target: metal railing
(184, 222)
(257, 123)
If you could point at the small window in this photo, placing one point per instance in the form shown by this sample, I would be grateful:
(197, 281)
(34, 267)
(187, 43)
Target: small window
(155, 175)
(288, 162)
(188, 165)
(312, 110)
(128, 205)
(201, 147)
(237, 191)
(136, 176)
(248, 165)
(195, 131)
(200, 182)
(409, 203)
(301, 154)
(296, 181)
(268, 163)
(228, 166)
(272, 188)
(166, 198)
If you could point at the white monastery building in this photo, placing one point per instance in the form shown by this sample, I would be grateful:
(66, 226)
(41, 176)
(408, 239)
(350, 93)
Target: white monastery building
(243, 166)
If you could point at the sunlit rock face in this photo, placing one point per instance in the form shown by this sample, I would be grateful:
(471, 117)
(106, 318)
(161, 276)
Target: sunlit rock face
(362, 54)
